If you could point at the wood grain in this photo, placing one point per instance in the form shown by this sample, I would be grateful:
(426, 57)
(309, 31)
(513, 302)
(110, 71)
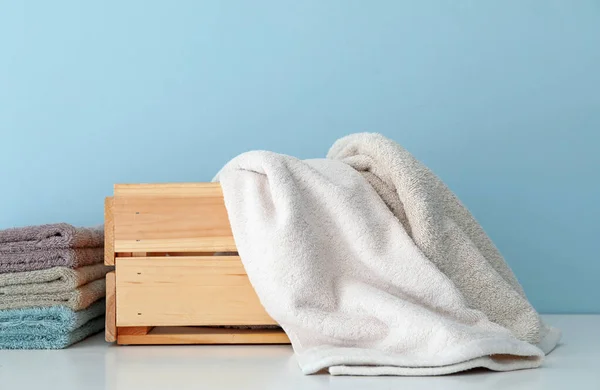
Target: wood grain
(110, 333)
(186, 291)
(170, 190)
(188, 254)
(109, 238)
(204, 335)
(171, 224)
(197, 244)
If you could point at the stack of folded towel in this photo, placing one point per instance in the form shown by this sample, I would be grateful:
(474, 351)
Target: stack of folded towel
(52, 285)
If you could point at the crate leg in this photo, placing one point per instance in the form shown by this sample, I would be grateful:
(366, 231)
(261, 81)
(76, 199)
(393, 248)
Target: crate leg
(135, 330)
(110, 333)
(128, 333)
(109, 235)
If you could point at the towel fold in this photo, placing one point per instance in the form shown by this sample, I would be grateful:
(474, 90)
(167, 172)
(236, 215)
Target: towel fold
(51, 236)
(77, 299)
(443, 229)
(51, 340)
(372, 266)
(47, 320)
(43, 259)
(51, 280)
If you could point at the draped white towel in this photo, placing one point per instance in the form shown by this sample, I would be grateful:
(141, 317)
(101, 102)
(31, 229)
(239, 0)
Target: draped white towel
(373, 267)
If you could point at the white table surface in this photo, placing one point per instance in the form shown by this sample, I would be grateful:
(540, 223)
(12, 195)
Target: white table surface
(94, 364)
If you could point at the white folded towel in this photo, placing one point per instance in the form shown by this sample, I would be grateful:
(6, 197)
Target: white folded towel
(373, 267)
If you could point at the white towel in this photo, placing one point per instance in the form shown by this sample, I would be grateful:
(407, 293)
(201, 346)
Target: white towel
(373, 267)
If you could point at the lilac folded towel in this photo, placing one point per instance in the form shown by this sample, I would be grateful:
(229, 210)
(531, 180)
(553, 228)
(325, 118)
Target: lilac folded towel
(52, 236)
(43, 259)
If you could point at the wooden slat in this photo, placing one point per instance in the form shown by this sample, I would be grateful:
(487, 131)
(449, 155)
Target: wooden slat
(171, 224)
(186, 291)
(170, 190)
(110, 333)
(109, 238)
(188, 254)
(197, 335)
(198, 244)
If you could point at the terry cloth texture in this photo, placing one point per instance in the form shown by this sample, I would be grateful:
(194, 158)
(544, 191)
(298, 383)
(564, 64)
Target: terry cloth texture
(52, 236)
(47, 320)
(51, 340)
(57, 279)
(43, 259)
(373, 267)
(77, 299)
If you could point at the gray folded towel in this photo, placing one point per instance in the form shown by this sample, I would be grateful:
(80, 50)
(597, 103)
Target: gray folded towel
(52, 236)
(78, 299)
(51, 280)
(43, 259)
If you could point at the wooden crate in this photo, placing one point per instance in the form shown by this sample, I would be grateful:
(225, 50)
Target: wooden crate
(170, 285)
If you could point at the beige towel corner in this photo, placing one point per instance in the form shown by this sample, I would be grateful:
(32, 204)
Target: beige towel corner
(77, 299)
(56, 279)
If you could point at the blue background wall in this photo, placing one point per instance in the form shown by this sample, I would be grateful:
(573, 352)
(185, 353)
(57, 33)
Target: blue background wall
(500, 98)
